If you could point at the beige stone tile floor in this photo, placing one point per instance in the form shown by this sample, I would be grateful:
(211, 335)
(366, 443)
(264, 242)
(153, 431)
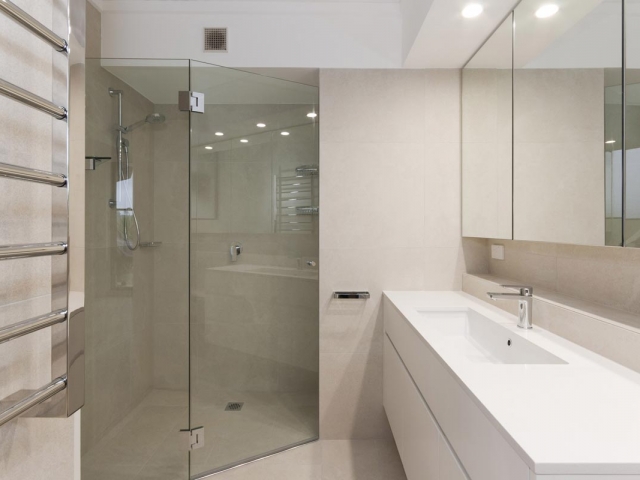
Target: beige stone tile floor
(145, 445)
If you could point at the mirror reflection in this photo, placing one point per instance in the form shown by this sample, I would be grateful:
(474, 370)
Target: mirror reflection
(487, 138)
(568, 122)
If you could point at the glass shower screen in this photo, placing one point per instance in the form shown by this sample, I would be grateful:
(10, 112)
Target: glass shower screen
(253, 266)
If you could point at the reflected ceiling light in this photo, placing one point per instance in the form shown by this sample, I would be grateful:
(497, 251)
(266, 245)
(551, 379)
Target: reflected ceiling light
(472, 10)
(610, 141)
(261, 125)
(219, 134)
(208, 147)
(312, 114)
(284, 133)
(244, 140)
(546, 11)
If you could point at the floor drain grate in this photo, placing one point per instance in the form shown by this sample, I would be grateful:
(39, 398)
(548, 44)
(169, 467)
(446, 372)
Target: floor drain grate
(234, 406)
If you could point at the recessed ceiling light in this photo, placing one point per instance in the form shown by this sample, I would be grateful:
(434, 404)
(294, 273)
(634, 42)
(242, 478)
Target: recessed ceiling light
(472, 10)
(244, 140)
(312, 114)
(261, 125)
(219, 134)
(284, 133)
(208, 147)
(610, 141)
(546, 11)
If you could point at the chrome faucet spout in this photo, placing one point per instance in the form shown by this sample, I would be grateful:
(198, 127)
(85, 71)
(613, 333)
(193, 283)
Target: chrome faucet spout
(525, 303)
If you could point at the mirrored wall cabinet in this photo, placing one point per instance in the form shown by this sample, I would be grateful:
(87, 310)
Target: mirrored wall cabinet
(551, 126)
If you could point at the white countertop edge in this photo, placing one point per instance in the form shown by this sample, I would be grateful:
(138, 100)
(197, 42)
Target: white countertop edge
(406, 302)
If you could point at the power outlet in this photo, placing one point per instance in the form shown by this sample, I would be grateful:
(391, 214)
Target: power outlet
(497, 252)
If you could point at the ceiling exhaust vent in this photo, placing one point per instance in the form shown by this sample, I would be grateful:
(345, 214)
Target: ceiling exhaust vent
(215, 39)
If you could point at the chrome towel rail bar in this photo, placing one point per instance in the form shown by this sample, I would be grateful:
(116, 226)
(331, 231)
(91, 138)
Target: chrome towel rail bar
(32, 325)
(31, 99)
(9, 252)
(27, 21)
(31, 175)
(39, 396)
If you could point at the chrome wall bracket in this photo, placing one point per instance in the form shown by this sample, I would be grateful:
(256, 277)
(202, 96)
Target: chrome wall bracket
(191, 102)
(352, 295)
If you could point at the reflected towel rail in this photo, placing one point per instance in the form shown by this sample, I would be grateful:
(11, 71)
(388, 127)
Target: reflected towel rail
(31, 99)
(21, 17)
(31, 175)
(39, 396)
(31, 325)
(10, 252)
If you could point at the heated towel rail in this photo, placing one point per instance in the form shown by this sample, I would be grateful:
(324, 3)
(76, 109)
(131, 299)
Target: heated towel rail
(67, 329)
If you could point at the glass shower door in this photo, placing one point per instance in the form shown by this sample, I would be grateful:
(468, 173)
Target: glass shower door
(254, 266)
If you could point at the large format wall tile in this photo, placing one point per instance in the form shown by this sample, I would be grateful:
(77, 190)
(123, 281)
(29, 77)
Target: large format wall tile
(390, 219)
(372, 195)
(372, 106)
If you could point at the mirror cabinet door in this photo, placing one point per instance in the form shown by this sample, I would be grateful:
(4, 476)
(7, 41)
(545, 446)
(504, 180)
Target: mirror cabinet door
(568, 122)
(487, 138)
(632, 125)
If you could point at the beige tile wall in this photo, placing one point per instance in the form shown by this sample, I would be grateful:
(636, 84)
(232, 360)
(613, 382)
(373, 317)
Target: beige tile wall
(607, 276)
(119, 284)
(29, 447)
(390, 155)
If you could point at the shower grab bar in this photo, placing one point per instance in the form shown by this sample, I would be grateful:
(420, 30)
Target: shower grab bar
(21, 17)
(10, 252)
(32, 175)
(37, 397)
(32, 100)
(31, 325)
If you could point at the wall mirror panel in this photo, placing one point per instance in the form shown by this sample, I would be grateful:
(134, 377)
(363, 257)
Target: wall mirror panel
(568, 121)
(487, 137)
(545, 154)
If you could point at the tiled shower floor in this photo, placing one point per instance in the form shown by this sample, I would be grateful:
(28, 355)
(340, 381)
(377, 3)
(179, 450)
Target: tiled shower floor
(146, 445)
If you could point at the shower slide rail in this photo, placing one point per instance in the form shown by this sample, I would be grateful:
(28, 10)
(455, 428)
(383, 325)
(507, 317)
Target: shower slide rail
(64, 395)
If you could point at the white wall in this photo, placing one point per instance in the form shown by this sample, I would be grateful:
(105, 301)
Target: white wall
(261, 34)
(390, 220)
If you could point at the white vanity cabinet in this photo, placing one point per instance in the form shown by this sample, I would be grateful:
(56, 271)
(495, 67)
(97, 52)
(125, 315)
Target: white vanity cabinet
(423, 449)
(470, 396)
(432, 417)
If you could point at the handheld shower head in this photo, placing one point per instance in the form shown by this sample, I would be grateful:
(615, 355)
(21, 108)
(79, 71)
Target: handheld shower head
(152, 118)
(155, 118)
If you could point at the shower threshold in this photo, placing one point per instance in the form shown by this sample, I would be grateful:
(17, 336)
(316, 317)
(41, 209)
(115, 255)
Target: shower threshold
(253, 459)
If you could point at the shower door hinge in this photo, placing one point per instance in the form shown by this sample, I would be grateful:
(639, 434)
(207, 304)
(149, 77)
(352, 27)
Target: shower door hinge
(191, 102)
(194, 438)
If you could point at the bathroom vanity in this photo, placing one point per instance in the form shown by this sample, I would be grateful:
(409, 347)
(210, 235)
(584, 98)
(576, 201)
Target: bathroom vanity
(471, 396)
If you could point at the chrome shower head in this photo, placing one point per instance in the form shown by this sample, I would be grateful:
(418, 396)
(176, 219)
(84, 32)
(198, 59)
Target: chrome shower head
(155, 118)
(152, 118)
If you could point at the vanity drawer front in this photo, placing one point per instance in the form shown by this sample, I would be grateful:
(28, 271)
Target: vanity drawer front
(414, 429)
(484, 453)
(450, 469)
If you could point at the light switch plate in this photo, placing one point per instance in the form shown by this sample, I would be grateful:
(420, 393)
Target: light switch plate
(497, 252)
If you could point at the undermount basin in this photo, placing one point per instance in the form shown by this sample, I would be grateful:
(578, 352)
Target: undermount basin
(482, 340)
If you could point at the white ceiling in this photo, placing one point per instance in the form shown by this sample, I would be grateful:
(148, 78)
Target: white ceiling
(435, 33)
